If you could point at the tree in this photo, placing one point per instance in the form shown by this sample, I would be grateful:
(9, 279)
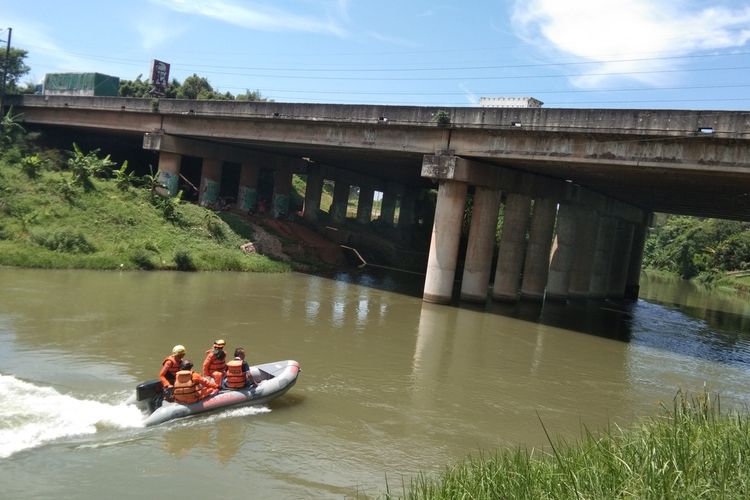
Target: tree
(195, 87)
(142, 88)
(251, 96)
(15, 69)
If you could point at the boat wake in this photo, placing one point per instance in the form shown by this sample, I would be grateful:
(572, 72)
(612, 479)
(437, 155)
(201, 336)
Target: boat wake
(32, 415)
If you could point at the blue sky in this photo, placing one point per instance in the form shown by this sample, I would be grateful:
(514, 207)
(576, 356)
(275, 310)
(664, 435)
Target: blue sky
(679, 54)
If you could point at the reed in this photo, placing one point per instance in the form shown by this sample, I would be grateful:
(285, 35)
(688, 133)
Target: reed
(692, 450)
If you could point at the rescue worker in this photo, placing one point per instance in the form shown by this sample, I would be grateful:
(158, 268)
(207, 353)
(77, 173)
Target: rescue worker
(190, 386)
(237, 376)
(215, 365)
(169, 368)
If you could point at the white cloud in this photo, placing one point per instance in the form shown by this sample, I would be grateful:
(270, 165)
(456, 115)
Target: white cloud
(612, 30)
(260, 17)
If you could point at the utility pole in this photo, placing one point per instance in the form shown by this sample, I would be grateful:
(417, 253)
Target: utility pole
(5, 71)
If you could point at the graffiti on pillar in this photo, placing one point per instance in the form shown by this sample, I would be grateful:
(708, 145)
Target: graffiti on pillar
(209, 192)
(280, 205)
(248, 198)
(169, 181)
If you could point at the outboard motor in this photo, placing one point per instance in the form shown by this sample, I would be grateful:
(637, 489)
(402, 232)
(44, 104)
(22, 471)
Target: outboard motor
(149, 395)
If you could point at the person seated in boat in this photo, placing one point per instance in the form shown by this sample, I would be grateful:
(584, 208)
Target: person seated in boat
(169, 368)
(190, 386)
(215, 365)
(237, 371)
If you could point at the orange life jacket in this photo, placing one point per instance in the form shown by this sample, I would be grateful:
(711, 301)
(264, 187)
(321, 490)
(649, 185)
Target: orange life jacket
(185, 390)
(214, 364)
(174, 367)
(236, 378)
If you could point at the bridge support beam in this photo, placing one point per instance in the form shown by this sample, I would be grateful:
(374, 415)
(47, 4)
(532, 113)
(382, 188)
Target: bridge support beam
(536, 265)
(587, 225)
(247, 194)
(558, 280)
(512, 249)
(169, 171)
(618, 271)
(282, 187)
(478, 264)
(210, 182)
(633, 283)
(340, 203)
(446, 233)
(388, 205)
(406, 209)
(605, 240)
(364, 203)
(313, 191)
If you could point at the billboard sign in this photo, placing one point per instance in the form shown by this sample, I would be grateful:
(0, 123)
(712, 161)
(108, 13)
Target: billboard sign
(160, 76)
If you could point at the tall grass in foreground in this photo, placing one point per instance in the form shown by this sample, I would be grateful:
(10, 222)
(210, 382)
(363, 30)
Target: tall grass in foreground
(691, 451)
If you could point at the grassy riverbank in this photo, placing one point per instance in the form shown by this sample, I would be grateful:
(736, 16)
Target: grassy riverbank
(691, 451)
(92, 215)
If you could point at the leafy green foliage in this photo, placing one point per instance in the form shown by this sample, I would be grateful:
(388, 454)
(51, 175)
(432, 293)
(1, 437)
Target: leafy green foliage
(16, 68)
(194, 87)
(690, 246)
(84, 166)
(63, 240)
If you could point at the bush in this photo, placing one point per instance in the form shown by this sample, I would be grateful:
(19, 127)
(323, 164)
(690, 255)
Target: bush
(184, 261)
(63, 241)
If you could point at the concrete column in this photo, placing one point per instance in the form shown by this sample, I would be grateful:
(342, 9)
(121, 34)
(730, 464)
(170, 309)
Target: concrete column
(210, 182)
(282, 186)
(478, 264)
(587, 225)
(313, 191)
(388, 206)
(618, 271)
(512, 249)
(536, 265)
(633, 282)
(406, 210)
(169, 172)
(558, 280)
(340, 202)
(446, 235)
(364, 204)
(247, 195)
(605, 241)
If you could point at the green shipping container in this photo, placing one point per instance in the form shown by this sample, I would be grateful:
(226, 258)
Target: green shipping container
(85, 84)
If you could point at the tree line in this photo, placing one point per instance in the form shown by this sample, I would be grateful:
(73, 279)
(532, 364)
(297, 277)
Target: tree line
(194, 86)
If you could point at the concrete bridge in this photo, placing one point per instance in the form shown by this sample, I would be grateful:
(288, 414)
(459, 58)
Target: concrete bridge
(577, 186)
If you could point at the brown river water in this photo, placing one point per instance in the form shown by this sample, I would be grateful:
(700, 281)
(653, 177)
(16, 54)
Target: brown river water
(390, 387)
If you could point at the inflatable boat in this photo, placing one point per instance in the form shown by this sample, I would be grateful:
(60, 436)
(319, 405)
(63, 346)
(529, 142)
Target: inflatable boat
(271, 381)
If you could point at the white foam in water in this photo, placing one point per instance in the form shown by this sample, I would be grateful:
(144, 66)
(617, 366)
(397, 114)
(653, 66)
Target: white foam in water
(31, 415)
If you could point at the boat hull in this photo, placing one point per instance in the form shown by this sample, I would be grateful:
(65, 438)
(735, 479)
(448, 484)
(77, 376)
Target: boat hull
(276, 379)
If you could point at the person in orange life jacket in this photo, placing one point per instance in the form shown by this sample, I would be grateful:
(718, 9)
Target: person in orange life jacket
(190, 386)
(169, 368)
(237, 371)
(214, 364)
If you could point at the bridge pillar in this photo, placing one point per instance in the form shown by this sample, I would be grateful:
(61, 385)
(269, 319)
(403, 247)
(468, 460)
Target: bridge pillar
(446, 232)
(587, 225)
(558, 280)
(406, 210)
(282, 186)
(536, 265)
(388, 206)
(633, 282)
(340, 202)
(601, 262)
(313, 190)
(210, 182)
(364, 203)
(618, 271)
(247, 194)
(512, 249)
(169, 171)
(478, 264)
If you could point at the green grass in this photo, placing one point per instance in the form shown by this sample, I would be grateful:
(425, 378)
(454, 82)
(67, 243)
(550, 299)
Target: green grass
(47, 221)
(691, 451)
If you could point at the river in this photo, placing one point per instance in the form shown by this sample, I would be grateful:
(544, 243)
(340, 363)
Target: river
(390, 386)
